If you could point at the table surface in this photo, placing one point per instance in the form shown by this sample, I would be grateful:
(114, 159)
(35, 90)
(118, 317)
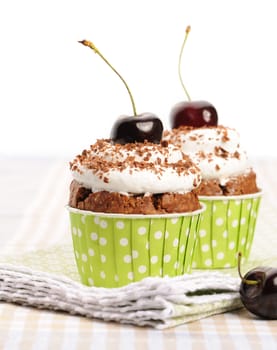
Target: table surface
(33, 185)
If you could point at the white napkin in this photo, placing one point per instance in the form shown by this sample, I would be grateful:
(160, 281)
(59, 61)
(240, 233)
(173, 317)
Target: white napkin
(154, 301)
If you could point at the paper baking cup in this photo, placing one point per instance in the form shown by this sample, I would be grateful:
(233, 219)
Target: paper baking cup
(112, 250)
(226, 227)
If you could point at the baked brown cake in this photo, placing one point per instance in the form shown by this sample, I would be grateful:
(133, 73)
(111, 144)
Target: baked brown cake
(237, 185)
(114, 202)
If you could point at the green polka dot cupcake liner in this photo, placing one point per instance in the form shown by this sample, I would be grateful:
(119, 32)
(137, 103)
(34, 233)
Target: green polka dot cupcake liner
(113, 250)
(226, 227)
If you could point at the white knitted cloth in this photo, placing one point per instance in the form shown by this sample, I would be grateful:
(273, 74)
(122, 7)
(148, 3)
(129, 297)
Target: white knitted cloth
(156, 302)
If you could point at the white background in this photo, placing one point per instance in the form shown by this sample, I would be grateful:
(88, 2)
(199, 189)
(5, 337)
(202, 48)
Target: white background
(57, 96)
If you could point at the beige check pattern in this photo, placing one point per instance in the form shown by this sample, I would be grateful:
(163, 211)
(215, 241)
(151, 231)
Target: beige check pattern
(25, 227)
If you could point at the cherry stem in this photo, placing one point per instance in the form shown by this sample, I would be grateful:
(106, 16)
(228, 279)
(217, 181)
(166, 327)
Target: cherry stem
(180, 60)
(246, 281)
(94, 48)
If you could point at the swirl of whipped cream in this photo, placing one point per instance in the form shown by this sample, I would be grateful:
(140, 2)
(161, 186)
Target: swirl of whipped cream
(135, 168)
(215, 150)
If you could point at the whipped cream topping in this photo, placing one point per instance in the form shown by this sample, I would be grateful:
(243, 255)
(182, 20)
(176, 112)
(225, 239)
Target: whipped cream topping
(135, 168)
(215, 150)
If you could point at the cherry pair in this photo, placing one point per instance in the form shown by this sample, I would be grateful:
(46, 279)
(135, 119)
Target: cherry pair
(148, 126)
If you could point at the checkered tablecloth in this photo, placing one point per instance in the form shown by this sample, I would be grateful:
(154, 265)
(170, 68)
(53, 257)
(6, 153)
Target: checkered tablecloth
(33, 195)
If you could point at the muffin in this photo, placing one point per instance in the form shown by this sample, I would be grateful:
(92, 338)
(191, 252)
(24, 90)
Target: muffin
(229, 190)
(224, 166)
(134, 211)
(134, 178)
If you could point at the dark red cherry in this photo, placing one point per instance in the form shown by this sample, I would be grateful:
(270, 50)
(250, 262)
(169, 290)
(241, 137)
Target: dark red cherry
(258, 292)
(260, 298)
(193, 113)
(137, 128)
(129, 129)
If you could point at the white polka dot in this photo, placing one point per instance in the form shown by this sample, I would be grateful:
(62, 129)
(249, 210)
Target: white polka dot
(243, 240)
(182, 248)
(214, 208)
(90, 268)
(91, 252)
(90, 281)
(84, 257)
(103, 223)
(166, 235)
(202, 233)
(225, 202)
(158, 234)
(214, 243)
(147, 245)
(235, 223)
(142, 269)
(127, 259)
(175, 242)
(77, 254)
(231, 245)
(154, 259)
(237, 202)
(96, 220)
(208, 262)
(83, 219)
(194, 264)
(74, 231)
(229, 213)
(220, 255)
(79, 233)
(123, 242)
(227, 265)
(135, 254)
(176, 265)
(94, 236)
(142, 230)
(219, 221)
(167, 258)
(174, 221)
(205, 247)
(225, 234)
(120, 225)
(102, 274)
(249, 206)
(242, 221)
(103, 258)
(116, 278)
(102, 241)
(187, 232)
(130, 276)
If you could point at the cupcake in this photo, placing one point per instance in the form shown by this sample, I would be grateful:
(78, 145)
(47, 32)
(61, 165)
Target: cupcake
(133, 207)
(228, 189)
(134, 211)
(216, 150)
(228, 186)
